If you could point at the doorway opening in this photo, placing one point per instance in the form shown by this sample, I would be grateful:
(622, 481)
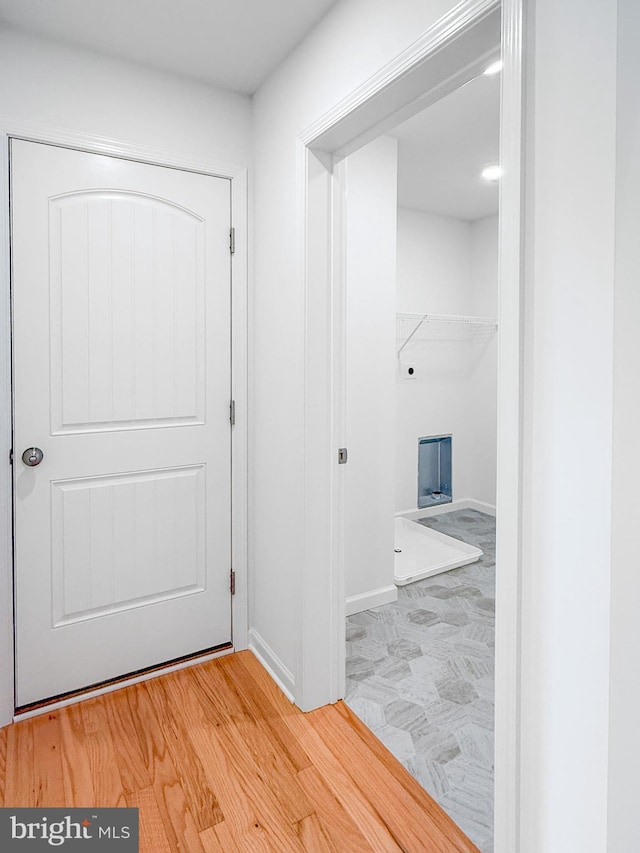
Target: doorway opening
(451, 54)
(421, 382)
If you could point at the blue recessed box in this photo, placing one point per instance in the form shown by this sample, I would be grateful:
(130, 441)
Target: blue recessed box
(434, 470)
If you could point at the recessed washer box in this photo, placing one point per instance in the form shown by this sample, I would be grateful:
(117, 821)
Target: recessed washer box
(434, 470)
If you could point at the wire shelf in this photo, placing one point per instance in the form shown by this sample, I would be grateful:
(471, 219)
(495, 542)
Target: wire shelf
(422, 328)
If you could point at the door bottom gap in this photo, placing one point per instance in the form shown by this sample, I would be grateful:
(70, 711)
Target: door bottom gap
(111, 682)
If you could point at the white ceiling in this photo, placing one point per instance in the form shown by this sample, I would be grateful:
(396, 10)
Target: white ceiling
(238, 43)
(234, 44)
(442, 150)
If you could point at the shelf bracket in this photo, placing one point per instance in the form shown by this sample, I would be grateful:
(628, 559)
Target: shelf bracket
(419, 324)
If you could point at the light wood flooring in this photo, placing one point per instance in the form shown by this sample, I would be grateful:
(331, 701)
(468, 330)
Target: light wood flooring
(217, 759)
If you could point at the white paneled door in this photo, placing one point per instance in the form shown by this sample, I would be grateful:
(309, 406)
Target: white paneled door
(121, 303)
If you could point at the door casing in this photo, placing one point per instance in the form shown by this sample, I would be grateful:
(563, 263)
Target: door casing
(237, 174)
(443, 58)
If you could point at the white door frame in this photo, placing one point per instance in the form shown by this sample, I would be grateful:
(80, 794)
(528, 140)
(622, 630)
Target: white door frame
(237, 175)
(447, 55)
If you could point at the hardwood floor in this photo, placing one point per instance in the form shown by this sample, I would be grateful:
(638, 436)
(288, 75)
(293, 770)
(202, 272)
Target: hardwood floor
(217, 759)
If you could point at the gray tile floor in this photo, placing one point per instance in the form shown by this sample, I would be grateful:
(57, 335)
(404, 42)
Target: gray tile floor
(420, 674)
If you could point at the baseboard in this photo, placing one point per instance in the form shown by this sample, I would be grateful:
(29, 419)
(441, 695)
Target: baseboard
(461, 503)
(481, 506)
(373, 598)
(272, 663)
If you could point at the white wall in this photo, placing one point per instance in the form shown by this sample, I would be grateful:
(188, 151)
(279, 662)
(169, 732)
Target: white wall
(484, 385)
(433, 263)
(434, 276)
(71, 88)
(43, 83)
(624, 712)
(569, 389)
(568, 426)
(354, 39)
(568, 379)
(447, 266)
(372, 192)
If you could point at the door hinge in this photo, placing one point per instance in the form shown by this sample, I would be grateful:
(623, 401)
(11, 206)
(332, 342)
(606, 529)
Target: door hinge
(11, 457)
(342, 456)
(232, 412)
(232, 241)
(232, 582)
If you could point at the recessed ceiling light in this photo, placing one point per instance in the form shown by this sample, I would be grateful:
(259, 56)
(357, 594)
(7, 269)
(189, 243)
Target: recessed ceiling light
(493, 69)
(492, 173)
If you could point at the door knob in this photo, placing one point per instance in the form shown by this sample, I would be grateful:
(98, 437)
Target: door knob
(32, 456)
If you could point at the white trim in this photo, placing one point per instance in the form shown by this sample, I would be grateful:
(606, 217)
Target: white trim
(509, 503)
(373, 598)
(282, 676)
(53, 135)
(460, 503)
(339, 425)
(319, 666)
(405, 80)
(7, 679)
(341, 130)
(428, 511)
(319, 676)
(240, 393)
(481, 506)
(237, 174)
(110, 688)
